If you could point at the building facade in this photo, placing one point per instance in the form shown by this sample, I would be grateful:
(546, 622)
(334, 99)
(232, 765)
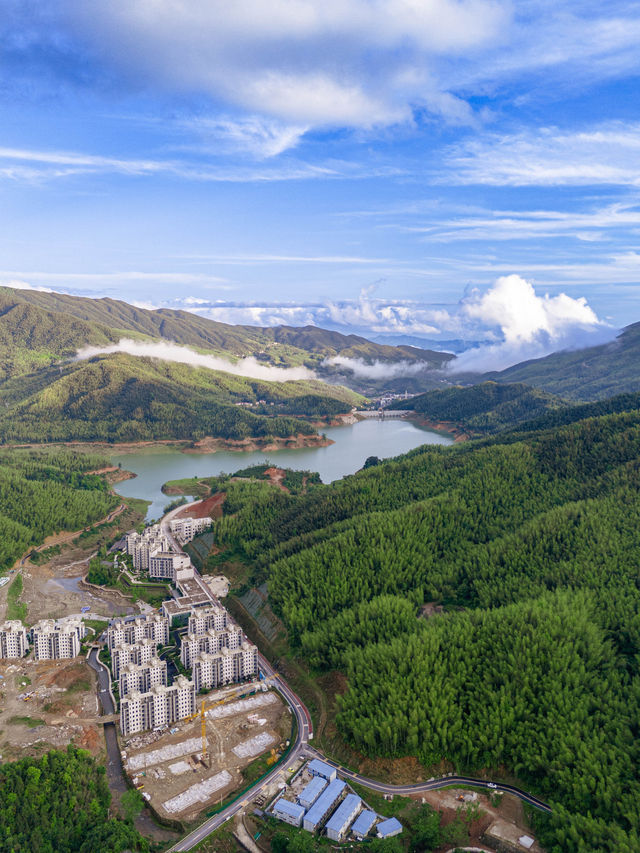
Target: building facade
(135, 653)
(55, 640)
(211, 642)
(141, 678)
(152, 626)
(227, 666)
(207, 619)
(184, 529)
(14, 640)
(159, 707)
(167, 565)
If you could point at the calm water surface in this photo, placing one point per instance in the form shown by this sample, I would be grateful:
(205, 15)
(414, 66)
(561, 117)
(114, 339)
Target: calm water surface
(353, 444)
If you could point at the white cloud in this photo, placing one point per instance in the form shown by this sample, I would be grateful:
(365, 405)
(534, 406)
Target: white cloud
(18, 284)
(603, 154)
(376, 369)
(248, 367)
(529, 326)
(259, 136)
(49, 165)
(353, 63)
(532, 224)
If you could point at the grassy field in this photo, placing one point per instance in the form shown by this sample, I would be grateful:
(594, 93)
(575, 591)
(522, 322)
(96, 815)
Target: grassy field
(16, 609)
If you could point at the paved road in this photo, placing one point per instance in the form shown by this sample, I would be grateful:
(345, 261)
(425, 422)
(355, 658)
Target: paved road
(304, 734)
(432, 785)
(302, 747)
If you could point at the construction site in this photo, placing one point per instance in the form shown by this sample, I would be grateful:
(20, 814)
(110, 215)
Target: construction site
(48, 704)
(233, 739)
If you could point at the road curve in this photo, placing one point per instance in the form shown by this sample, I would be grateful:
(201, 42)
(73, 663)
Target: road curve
(304, 733)
(302, 747)
(432, 785)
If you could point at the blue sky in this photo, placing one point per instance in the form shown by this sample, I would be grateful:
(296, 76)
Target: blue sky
(429, 168)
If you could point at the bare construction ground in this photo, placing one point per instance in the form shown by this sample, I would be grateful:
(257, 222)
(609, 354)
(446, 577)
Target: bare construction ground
(239, 735)
(47, 704)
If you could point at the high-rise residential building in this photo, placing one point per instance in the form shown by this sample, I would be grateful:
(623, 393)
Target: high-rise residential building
(184, 529)
(133, 629)
(14, 640)
(159, 707)
(140, 678)
(225, 667)
(54, 640)
(136, 653)
(205, 619)
(211, 642)
(168, 565)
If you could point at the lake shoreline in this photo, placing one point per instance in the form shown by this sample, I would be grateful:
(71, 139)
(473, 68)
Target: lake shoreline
(205, 445)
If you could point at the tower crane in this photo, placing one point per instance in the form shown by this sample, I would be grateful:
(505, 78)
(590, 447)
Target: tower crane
(207, 706)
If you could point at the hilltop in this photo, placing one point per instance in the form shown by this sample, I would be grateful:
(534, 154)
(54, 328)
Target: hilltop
(120, 397)
(594, 373)
(39, 328)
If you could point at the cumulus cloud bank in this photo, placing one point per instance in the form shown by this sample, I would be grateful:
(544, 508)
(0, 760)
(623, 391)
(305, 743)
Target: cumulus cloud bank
(377, 369)
(247, 367)
(526, 325)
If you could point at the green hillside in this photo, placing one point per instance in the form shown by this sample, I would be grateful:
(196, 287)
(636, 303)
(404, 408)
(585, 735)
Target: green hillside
(530, 541)
(70, 322)
(594, 373)
(125, 398)
(485, 408)
(45, 491)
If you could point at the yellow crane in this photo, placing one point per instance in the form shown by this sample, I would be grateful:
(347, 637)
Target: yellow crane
(207, 706)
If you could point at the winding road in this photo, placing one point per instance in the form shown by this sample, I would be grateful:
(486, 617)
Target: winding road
(300, 748)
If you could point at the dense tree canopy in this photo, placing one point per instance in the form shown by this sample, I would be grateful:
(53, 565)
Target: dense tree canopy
(60, 804)
(45, 491)
(531, 542)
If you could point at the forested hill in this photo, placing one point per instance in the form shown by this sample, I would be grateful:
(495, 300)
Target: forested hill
(484, 408)
(41, 327)
(119, 397)
(594, 373)
(531, 542)
(43, 492)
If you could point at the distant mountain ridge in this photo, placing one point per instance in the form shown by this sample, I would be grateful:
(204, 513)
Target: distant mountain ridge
(54, 323)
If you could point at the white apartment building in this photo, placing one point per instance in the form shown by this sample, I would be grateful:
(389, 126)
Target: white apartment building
(133, 629)
(161, 706)
(168, 565)
(211, 642)
(225, 667)
(54, 640)
(184, 529)
(142, 545)
(207, 619)
(140, 678)
(135, 653)
(14, 640)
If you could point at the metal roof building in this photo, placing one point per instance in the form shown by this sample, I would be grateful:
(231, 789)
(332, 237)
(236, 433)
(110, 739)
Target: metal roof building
(323, 805)
(363, 823)
(340, 820)
(319, 768)
(388, 828)
(312, 791)
(289, 812)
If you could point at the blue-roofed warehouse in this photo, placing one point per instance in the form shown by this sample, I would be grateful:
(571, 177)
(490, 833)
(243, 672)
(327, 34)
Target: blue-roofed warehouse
(312, 791)
(319, 768)
(323, 805)
(388, 828)
(363, 824)
(340, 820)
(289, 812)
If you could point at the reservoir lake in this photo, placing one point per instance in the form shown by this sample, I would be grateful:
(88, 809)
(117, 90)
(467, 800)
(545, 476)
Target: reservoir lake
(352, 445)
